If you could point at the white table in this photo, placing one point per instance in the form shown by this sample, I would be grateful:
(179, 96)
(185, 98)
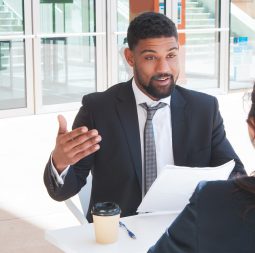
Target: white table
(147, 228)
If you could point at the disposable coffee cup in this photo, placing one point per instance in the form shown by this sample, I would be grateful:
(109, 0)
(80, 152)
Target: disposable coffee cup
(106, 217)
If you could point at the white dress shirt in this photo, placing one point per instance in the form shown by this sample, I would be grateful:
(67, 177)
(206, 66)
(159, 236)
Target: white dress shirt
(162, 128)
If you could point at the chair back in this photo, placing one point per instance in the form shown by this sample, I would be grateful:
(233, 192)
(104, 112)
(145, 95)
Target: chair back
(84, 197)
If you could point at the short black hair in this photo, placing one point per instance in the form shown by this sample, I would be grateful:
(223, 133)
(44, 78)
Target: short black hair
(251, 114)
(150, 25)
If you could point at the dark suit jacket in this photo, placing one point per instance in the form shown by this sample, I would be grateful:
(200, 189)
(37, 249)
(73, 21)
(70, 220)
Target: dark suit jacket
(198, 138)
(213, 222)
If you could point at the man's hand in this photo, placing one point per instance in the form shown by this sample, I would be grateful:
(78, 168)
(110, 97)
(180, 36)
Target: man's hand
(74, 145)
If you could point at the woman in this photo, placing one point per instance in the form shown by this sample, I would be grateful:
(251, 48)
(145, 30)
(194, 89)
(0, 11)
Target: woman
(220, 217)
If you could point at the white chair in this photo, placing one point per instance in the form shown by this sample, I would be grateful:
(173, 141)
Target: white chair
(84, 196)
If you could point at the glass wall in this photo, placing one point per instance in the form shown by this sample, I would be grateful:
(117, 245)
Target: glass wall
(67, 51)
(242, 43)
(52, 52)
(125, 72)
(198, 23)
(12, 56)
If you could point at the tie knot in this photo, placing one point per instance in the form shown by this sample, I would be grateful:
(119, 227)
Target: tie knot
(152, 110)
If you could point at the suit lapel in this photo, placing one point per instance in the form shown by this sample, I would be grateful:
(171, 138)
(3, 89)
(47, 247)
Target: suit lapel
(127, 112)
(179, 119)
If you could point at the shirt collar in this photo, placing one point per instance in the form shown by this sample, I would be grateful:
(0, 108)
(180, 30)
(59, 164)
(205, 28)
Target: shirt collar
(140, 97)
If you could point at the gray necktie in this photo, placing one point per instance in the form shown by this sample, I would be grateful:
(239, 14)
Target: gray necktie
(150, 161)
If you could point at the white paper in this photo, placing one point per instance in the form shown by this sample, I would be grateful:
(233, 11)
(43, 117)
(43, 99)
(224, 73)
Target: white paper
(175, 184)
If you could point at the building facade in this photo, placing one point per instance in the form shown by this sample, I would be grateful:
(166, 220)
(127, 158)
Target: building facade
(52, 52)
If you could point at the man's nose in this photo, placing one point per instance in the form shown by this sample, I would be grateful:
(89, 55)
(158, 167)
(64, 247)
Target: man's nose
(163, 66)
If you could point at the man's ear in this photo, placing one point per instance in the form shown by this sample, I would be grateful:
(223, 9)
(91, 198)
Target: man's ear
(251, 127)
(129, 57)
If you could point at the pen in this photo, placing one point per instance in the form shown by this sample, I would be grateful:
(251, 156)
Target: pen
(131, 234)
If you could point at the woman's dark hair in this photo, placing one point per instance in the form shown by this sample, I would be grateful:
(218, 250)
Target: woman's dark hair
(243, 183)
(251, 114)
(150, 25)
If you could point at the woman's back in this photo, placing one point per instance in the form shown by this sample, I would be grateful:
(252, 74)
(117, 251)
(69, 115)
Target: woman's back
(215, 221)
(222, 224)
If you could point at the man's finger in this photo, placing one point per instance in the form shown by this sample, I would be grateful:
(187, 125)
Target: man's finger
(72, 135)
(87, 145)
(62, 124)
(86, 152)
(86, 137)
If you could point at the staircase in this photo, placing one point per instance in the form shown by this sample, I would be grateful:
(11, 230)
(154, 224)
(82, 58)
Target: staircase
(198, 17)
(9, 21)
(11, 52)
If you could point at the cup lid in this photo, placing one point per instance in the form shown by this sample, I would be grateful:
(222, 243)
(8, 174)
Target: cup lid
(105, 209)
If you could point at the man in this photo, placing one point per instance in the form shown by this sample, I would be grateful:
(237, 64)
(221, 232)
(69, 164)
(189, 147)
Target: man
(188, 129)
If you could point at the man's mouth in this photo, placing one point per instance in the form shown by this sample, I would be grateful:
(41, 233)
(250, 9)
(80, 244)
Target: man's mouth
(161, 78)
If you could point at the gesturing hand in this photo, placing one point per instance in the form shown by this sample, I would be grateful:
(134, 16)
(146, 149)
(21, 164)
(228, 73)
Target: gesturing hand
(74, 145)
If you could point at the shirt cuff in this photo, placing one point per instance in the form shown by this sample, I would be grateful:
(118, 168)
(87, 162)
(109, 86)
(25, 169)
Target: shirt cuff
(59, 178)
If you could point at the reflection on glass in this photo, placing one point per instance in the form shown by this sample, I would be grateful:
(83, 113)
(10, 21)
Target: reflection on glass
(68, 69)
(122, 26)
(199, 50)
(69, 16)
(242, 44)
(11, 16)
(124, 70)
(122, 15)
(199, 64)
(12, 75)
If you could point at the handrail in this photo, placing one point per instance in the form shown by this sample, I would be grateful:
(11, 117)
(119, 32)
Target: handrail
(203, 30)
(13, 36)
(45, 35)
(64, 35)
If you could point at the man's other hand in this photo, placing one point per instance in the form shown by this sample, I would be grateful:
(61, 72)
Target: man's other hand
(74, 145)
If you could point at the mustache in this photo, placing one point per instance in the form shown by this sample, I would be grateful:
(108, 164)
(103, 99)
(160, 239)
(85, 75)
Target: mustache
(167, 75)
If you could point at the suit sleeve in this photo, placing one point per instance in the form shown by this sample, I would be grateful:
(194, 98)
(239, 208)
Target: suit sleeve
(181, 236)
(222, 150)
(76, 176)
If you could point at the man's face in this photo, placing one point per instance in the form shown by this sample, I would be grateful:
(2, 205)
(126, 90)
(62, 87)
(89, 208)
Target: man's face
(155, 63)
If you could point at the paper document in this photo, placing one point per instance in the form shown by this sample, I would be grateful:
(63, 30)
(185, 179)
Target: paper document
(175, 184)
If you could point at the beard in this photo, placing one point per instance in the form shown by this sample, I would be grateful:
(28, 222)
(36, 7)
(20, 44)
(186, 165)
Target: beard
(157, 91)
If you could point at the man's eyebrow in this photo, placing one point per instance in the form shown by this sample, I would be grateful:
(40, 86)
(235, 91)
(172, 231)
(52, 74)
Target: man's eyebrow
(153, 51)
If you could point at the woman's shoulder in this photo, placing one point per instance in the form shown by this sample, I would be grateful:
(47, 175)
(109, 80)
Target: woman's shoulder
(214, 186)
(224, 184)
(223, 191)
(220, 188)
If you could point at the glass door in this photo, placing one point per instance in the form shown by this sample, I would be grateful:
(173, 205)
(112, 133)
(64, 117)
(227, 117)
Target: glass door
(52, 52)
(201, 31)
(242, 44)
(15, 41)
(69, 45)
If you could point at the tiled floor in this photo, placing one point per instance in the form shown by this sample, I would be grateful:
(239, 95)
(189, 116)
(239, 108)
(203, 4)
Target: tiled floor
(19, 235)
(26, 210)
